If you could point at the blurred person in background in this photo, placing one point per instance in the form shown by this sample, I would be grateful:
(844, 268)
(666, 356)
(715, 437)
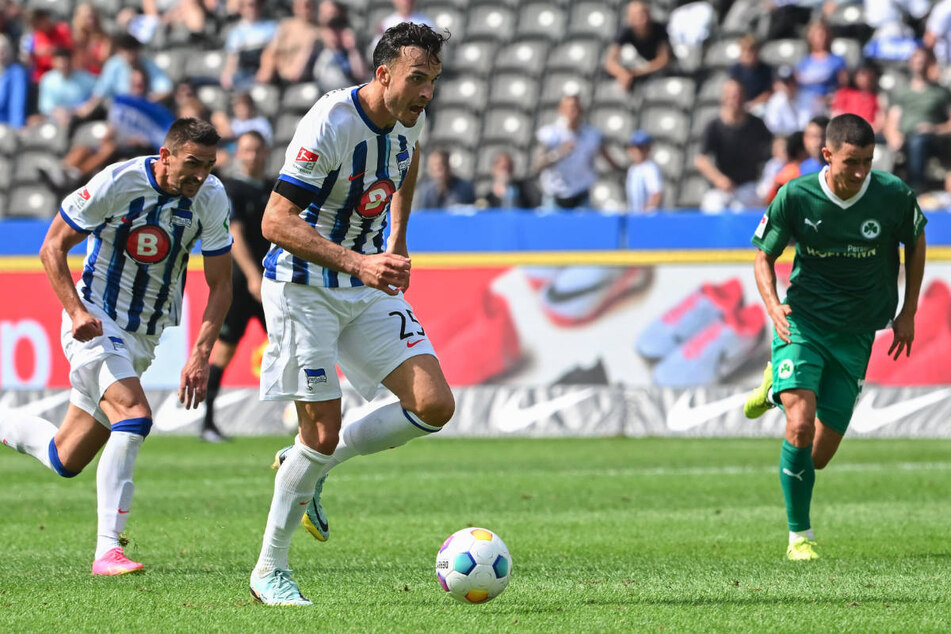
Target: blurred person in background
(814, 139)
(648, 37)
(404, 11)
(441, 188)
(245, 45)
(820, 72)
(64, 91)
(289, 57)
(772, 167)
(339, 63)
(919, 118)
(645, 183)
(505, 190)
(116, 76)
(861, 97)
(92, 46)
(734, 147)
(755, 74)
(787, 110)
(14, 86)
(796, 154)
(45, 36)
(565, 157)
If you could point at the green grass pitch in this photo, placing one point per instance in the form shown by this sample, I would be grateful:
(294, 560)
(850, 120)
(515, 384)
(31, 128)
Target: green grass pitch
(607, 535)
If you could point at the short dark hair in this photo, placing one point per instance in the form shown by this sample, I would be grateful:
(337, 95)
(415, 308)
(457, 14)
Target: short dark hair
(851, 129)
(795, 146)
(190, 129)
(405, 34)
(820, 120)
(254, 134)
(127, 42)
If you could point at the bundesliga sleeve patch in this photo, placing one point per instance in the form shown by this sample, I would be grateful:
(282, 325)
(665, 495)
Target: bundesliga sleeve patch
(81, 197)
(761, 228)
(306, 161)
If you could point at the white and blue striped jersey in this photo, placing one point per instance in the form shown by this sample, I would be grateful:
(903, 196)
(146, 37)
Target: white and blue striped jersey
(350, 169)
(140, 238)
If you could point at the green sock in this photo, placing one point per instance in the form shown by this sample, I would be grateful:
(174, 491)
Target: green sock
(797, 476)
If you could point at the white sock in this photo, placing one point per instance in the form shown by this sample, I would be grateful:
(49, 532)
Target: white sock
(293, 490)
(796, 535)
(114, 487)
(384, 428)
(28, 434)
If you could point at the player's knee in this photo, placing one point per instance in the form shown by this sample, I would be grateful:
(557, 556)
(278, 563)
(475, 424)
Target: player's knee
(437, 411)
(800, 432)
(140, 425)
(69, 469)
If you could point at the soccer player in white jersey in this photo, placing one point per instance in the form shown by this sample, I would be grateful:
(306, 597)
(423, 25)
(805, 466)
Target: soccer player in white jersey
(140, 219)
(333, 294)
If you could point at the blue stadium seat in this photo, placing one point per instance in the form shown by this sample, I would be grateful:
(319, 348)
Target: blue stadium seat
(542, 19)
(491, 21)
(524, 56)
(514, 89)
(581, 55)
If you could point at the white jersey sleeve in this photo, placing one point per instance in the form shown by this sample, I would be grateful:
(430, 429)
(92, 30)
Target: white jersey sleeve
(313, 152)
(215, 210)
(90, 205)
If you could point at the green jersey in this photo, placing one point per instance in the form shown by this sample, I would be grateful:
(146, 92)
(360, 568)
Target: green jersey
(845, 273)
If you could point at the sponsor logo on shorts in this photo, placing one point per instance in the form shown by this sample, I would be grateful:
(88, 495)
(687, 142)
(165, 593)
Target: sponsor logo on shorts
(117, 343)
(785, 369)
(148, 244)
(314, 377)
(871, 229)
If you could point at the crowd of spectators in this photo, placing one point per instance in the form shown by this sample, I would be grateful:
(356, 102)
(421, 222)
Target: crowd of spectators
(767, 129)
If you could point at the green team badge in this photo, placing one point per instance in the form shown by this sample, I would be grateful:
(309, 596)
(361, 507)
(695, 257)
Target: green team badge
(785, 369)
(871, 229)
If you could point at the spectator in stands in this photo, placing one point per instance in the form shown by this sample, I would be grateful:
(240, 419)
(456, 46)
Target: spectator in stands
(938, 32)
(734, 147)
(645, 183)
(244, 118)
(787, 109)
(45, 37)
(819, 73)
(244, 46)
(861, 97)
(11, 16)
(339, 63)
(92, 46)
(65, 92)
(919, 118)
(190, 13)
(289, 57)
(441, 188)
(116, 76)
(755, 74)
(787, 17)
(565, 157)
(772, 167)
(404, 11)
(649, 39)
(814, 139)
(505, 191)
(14, 86)
(796, 153)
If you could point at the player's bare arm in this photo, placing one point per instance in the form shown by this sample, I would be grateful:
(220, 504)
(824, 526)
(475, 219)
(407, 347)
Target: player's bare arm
(903, 326)
(764, 269)
(400, 206)
(194, 383)
(56, 246)
(241, 253)
(283, 226)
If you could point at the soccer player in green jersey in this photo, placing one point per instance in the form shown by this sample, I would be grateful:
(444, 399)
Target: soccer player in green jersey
(847, 222)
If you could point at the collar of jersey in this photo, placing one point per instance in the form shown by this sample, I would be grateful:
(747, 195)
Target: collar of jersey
(363, 115)
(844, 204)
(148, 170)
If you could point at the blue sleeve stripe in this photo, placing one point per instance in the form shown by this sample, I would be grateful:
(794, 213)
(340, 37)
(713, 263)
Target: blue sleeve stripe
(299, 183)
(214, 252)
(72, 223)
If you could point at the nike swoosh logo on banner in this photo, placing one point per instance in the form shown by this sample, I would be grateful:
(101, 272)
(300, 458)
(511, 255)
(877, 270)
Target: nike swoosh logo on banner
(683, 416)
(512, 417)
(410, 344)
(36, 408)
(172, 415)
(866, 417)
(356, 176)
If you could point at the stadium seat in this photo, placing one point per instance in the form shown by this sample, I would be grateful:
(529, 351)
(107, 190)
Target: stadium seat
(89, 134)
(487, 153)
(46, 136)
(3, 205)
(582, 55)
(893, 79)
(62, 9)
(722, 54)
(608, 195)
(462, 92)
(525, 56)
(542, 19)
(474, 58)
(558, 84)
(455, 126)
(462, 162)
(299, 98)
(544, 116)
(267, 99)
(205, 66)
(615, 122)
(275, 161)
(514, 89)
(850, 50)
(216, 98)
(598, 19)
(492, 21)
(670, 160)
(9, 141)
(665, 123)
(449, 18)
(107, 8)
(29, 164)
(172, 61)
(689, 57)
(31, 200)
(712, 89)
(607, 92)
(783, 52)
(6, 173)
(675, 91)
(284, 128)
(508, 125)
(692, 187)
(702, 115)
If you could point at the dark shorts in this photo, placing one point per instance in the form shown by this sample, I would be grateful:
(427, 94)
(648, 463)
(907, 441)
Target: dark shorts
(243, 308)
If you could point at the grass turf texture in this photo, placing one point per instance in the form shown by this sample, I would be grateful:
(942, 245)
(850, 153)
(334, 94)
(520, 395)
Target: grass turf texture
(606, 535)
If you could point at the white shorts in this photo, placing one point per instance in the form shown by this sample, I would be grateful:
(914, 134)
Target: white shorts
(312, 329)
(96, 364)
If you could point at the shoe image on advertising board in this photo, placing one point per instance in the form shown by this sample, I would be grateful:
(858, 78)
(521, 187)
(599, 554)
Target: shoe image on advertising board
(579, 294)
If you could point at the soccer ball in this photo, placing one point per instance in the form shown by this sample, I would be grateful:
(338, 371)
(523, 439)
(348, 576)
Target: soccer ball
(473, 565)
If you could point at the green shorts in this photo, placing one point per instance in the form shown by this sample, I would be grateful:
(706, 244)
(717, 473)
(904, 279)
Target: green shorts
(831, 364)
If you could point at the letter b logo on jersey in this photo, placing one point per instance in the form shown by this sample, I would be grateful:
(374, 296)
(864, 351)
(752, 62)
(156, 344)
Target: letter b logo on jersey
(148, 244)
(375, 198)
